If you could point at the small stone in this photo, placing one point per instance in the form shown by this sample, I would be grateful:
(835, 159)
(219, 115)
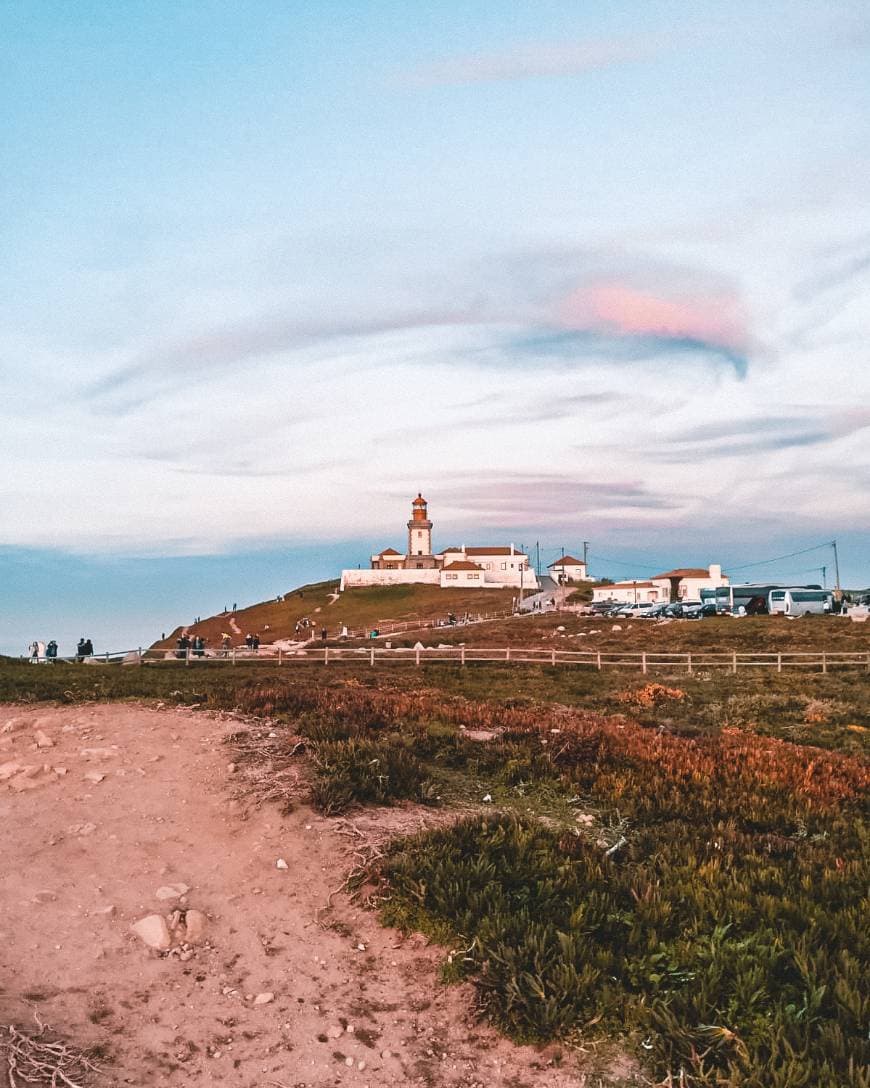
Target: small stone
(81, 829)
(171, 891)
(349, 1029)
(94, 776)
(361, 947)
(153, 930)
(264, 998)
(231, 768)
(9, 770)
(110, 909)
(44, 897)
(194, 925)
(336, 1031)
(361, 1065)
(60, 771)
(348, 1062)
(97, 753)
(186, 955)
(281, 864)
(43, 740)
(487, 797)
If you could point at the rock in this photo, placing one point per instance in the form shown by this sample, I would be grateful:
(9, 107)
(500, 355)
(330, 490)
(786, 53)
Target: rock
(336, 1031)
(487, 797)
(94, 776)
(194, 926)
(361, 1065)
(264, 999)
(9, 770)
(81, 829)
(45, 897)
(348, 1062)
(153, 930)
(26, 780)
(281, 864)
(97, 753)
(60, 771)
(43, 740)
(172, 891)
(110, 909)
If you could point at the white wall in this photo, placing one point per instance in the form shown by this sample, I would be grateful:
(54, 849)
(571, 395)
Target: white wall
(351, 578)
(627, 594)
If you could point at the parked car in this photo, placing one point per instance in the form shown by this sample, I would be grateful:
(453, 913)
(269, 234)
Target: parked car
(632, 611)
(658, 611)
(685, 610)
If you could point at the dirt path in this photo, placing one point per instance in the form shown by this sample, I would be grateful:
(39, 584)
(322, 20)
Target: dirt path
(83, 857)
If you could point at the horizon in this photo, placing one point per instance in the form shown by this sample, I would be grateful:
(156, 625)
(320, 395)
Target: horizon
(578, 274)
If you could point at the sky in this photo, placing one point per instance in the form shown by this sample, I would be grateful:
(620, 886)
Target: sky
(577, 272)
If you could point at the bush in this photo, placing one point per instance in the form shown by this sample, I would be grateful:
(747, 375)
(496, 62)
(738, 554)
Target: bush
(365, 772)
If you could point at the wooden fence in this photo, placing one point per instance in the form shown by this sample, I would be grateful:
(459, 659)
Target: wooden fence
(372, 656)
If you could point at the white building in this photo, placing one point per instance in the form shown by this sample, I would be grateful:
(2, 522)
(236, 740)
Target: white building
(683, 583)
(494, 567)
(568, 570)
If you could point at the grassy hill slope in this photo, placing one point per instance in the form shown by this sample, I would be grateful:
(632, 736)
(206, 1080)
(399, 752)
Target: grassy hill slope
(359, 609)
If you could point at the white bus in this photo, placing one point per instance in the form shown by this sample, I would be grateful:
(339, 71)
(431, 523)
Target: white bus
(799, 602)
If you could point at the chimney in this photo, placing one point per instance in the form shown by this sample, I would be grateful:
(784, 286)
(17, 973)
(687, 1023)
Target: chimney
(512, 549)
(716, 571)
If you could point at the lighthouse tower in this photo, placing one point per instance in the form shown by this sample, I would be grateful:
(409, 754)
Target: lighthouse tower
(419, 529)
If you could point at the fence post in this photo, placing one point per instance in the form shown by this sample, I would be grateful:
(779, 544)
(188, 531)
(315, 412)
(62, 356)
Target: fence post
(280, 658)
(187, 656)
(372, 656)
(643, 663)
(507, 654)
(141, 662)
(417, 656)
(462, 655)
(598, 655)
(779, 662)
(824, 662)
(325, 655)
(689, 662)
(107, 657)
(553, 661)
(234, 655)
(734, 662)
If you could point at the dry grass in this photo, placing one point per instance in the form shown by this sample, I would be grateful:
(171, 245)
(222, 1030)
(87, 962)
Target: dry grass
(34, 1057)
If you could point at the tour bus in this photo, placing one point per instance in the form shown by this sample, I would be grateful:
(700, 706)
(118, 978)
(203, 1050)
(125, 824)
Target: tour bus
(799, 601)
(752, 597)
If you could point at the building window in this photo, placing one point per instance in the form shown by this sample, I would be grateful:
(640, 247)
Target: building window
(475, 577)
(504, 566)
(451, 577)
(419, 566)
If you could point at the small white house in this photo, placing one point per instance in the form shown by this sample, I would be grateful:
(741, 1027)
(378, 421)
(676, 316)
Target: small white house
(680, 584)
(568, 570)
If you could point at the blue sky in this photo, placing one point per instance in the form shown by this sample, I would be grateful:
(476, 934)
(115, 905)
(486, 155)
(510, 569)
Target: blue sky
(579, 272)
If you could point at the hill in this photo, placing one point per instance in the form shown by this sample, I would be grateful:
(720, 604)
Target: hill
(359, 610)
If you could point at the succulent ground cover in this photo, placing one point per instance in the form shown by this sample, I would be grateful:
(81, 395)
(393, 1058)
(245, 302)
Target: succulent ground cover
(658, 869)
(710, 902)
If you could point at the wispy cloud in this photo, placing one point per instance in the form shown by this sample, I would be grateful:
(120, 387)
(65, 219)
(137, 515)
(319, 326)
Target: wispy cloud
(536, 60)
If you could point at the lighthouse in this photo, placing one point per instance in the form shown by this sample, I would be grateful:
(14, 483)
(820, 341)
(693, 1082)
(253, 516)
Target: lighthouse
(419, 529)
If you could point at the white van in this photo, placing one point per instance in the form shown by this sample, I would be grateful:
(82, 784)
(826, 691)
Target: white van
(799, 602)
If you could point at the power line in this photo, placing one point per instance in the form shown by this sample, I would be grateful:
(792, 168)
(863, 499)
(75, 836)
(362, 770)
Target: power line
(779, 558)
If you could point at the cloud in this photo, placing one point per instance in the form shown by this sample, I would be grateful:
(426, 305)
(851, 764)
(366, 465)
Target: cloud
(521, 499)
(762, 434)
(672, 321)
(537, 60)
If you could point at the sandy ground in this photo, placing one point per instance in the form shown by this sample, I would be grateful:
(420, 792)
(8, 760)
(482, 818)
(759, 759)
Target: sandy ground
(110, 803)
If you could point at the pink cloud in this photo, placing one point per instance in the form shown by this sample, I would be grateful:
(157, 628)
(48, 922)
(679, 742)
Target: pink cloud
(622, 310)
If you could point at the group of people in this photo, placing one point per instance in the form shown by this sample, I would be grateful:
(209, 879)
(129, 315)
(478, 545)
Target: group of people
(185, 645)
(304, 629)
(252, 642)
(41, 651)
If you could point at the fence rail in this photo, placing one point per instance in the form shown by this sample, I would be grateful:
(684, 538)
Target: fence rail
(644, 662)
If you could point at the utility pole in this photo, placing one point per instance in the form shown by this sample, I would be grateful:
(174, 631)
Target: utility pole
(538, 558)
(585, 552)
(837, 569)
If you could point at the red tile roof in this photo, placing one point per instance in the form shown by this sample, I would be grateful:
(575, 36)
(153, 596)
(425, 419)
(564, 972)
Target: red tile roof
(685, 572)
(567, 561)
(629, 585)
(389, 551)
(462, 564)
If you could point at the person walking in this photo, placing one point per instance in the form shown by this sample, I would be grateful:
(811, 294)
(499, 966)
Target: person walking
(51, 652)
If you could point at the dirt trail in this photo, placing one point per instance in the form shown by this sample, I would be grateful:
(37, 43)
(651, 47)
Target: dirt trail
(83, 858)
